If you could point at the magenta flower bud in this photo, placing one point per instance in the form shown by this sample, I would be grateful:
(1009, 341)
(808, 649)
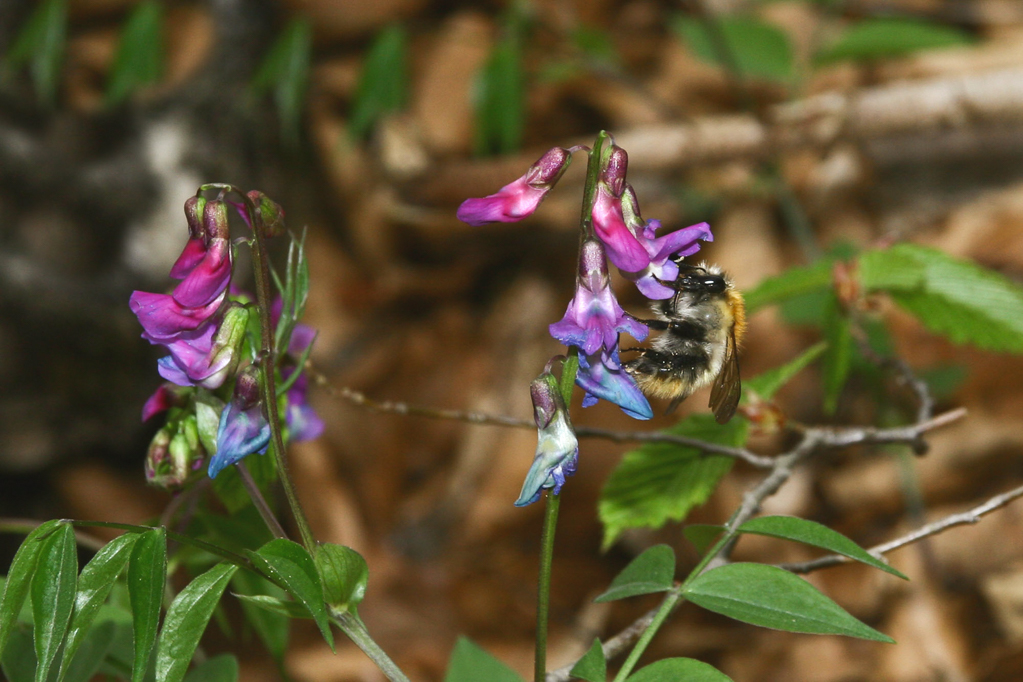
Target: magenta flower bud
(162, 400)
(601, 375)
(214, 220)
(594, 318)
(270, 212)
(243, 429)
(623, 248)
(557, 448)
(195, 248)
(517, 200)
(616, 163)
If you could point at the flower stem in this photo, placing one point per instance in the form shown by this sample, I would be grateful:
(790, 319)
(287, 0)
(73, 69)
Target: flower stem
(357, 632)
(590, 187)
(258, 500)
(543, 597)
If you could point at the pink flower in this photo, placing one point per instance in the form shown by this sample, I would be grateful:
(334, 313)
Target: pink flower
(519, 199)
(623, 248)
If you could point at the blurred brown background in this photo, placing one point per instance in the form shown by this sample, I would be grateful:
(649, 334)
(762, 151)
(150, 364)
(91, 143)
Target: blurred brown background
(413, 306)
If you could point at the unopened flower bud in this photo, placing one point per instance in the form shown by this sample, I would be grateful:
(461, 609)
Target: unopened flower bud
(270, 212)
(193, 214)
(557, 449)
(615, 165)
(175, 454)
(519, 199)
(214, 220)
(246, 390)
(227, 344)
(243, 429)
(195, 247)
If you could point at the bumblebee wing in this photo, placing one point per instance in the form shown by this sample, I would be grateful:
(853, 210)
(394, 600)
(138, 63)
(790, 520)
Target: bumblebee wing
(724, 395)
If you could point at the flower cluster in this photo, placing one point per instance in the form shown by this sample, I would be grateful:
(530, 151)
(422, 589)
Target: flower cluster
(213, 397)
(615, 232)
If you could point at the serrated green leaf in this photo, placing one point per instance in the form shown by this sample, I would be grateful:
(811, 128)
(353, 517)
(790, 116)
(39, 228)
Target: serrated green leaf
(94, 585)
(41, 43)
(891, 37)
(53, 595)
(222, 668)
(659, 482)
(592, 667)
(767, 384)
(956, 298)
(702, 535)
(344, 575)
(147, 575)
(812, 533)
(757, 49)
(19, 660)
(186, 621)
(676, 669)
(470, 663)
(139, 58)
(773, 598)
(90, 653)
(789, 284)
(500, 99)
(272, 628)
(19, 578)
(652, 571)
(289, 565)
(383, 83)
(838, 355)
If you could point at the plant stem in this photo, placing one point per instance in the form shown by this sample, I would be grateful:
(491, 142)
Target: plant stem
(590, 186)
(260, 502)
(543, 597)
(357, 632)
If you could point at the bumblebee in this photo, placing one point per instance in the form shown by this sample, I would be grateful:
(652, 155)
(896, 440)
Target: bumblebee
(701, 326)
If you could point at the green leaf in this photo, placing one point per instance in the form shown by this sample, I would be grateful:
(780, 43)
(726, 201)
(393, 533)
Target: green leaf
(222, 668)
(19, 578)
(838, 354)
(41, 42)
(90, 654)
(891, 37)
(675, 669)
(956, 298)
(592, 667)
(139, 58)
(344, 575)
(186, 620)
(500, 99)
(285, 71)
(597, 45)
(284, 607)
(757, 49)
(53, 595)
(470, 663)
(659, 482)
(652, 571)
(289, 565)
(767, 384)
(383, 83)
(789, 284)
(147, 575)
(94, 585)
(19, 660)
(231, 491)
(773, 598)
(815, 534)
(702, 535)
(272, 628)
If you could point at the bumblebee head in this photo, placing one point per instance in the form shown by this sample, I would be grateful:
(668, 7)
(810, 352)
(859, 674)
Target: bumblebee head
(701, 279)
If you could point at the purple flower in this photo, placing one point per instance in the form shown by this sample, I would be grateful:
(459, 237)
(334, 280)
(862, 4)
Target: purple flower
(661, 251)
(557, 449)
(162, 400)
(518, 199)
(302, 420)
(164, 319)
(601, 376)
(623, 248)
(243, 429)
(594, 318)
(207, 356)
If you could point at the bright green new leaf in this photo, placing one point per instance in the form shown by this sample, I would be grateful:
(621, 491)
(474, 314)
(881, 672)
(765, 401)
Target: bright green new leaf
(285, 71)
(753, 47)
(678, 669)
(222, 668)
(767, 384)
(812, 533)
(147, 575)
(19, 578)
(702, 535)
(955, 298)
(837, 356)
(53, 595)
(659, 482)
(652, 571)
(186, 620)
(41, 43)
(592, 667)
(344, 575)
(773, 598)
(139, 58)
(891, 37)
(94, 585)
(383, 84)
(789, 284)
(289, 565)
(470, 663)
(500, 98)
